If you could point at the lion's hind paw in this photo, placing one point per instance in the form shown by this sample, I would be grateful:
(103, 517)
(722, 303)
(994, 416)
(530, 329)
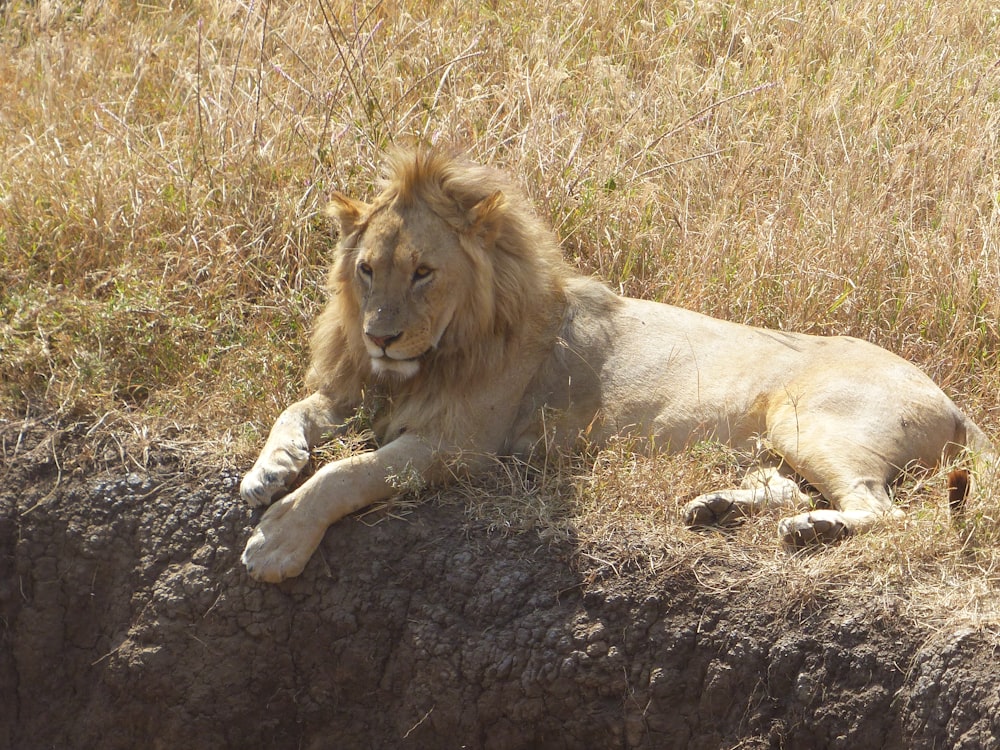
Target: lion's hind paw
(814, 528)
(713, 509)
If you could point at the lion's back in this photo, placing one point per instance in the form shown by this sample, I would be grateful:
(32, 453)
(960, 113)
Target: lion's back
(623, 365)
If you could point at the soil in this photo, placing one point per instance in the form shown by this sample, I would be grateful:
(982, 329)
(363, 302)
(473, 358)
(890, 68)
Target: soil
(127, 621)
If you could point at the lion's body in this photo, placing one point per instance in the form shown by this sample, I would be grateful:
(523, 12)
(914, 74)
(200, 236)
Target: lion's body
(678, 377)
(449, 300)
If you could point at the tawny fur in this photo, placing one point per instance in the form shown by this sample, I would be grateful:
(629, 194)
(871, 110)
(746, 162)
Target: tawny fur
(453, 314)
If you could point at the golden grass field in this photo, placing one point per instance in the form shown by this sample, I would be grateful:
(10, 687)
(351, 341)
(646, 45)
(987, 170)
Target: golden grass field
(823, 167)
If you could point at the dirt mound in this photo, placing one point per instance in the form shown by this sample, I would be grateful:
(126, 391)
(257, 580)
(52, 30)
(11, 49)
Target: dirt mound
(128, 621)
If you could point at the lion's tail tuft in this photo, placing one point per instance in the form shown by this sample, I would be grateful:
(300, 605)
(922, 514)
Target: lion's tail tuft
(958, 491)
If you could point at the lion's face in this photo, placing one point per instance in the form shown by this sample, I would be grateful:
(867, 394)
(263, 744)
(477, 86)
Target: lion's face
(408, 270)
(419, 280)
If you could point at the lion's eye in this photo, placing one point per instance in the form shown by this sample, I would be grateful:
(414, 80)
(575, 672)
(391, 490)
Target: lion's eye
(422, 272)
(364, 269)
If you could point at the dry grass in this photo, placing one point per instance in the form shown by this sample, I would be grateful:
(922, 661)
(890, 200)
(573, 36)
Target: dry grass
(826, 167)
(623, 512)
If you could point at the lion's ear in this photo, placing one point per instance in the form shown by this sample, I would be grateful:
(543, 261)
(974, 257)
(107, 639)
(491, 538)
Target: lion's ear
(346, 211)
(484, 217)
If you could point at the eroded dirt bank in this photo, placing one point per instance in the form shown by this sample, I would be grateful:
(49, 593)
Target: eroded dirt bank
(127, 621)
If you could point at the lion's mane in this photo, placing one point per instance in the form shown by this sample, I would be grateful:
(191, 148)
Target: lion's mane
(513, 294)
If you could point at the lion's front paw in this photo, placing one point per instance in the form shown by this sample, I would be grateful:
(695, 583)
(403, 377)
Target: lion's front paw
(813, 528)
(270, 476)
(713, 509)
(283, 542)
(259, 486)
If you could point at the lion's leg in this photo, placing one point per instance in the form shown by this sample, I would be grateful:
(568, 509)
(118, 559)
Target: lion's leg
(291, 529)
(829, 450)
(856, 509)
(761, 488)
(286, 452)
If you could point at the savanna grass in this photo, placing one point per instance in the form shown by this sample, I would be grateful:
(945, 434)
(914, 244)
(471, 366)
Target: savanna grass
(825, 167)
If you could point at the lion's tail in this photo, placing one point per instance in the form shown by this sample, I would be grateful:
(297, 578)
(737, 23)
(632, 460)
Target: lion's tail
(958, 491)
(985, 467)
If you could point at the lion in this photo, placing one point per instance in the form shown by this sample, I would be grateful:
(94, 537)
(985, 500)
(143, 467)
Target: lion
(452, 311)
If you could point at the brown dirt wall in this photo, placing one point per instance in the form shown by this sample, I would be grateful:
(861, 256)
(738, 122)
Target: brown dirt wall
(127, 620)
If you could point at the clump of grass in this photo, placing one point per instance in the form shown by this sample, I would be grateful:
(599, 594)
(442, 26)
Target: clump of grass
(829, 167)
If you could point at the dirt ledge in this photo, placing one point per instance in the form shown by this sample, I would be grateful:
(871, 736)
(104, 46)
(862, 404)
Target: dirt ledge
(127, 621)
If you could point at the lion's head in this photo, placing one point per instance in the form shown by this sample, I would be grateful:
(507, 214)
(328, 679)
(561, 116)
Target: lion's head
(443, 267)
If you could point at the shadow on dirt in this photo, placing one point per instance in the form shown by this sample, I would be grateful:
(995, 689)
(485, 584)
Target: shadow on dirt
(128, 621)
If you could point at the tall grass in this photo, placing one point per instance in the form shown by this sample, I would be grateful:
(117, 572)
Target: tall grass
(827, 167)
(822, 167)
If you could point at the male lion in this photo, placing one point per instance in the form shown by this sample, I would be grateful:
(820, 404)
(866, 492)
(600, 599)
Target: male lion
(451, 308)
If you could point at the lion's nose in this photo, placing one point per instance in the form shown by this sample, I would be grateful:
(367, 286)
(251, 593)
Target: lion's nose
(383, 341)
